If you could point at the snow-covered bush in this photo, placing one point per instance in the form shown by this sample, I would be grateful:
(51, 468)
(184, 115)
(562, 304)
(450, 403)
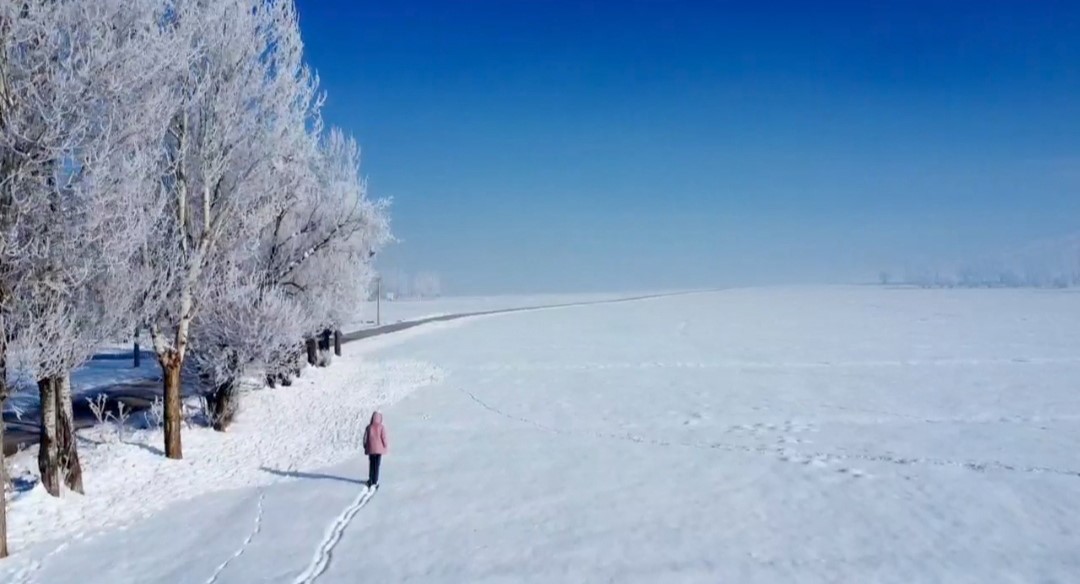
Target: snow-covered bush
(154, 415)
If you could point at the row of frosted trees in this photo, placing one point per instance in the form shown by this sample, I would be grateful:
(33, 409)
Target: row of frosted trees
(163, 165)
(399, 284)
(1051, 264)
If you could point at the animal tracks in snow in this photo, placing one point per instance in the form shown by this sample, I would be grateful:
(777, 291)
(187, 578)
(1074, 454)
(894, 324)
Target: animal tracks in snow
(325, 552)
(773, 365)
(842, 462)
(787, 429)
(256, 528)
(26, 575)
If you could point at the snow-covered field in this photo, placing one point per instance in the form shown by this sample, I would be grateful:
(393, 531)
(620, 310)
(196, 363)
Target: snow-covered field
(760, 435)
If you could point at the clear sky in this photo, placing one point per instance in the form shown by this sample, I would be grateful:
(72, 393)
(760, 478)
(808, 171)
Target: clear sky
(552, 145)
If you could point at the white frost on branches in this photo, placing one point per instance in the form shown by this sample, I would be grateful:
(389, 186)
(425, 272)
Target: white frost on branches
(242, 103)
(82, 119)
(164, 163)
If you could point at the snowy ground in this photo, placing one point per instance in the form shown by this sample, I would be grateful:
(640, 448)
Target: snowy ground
(771, 435)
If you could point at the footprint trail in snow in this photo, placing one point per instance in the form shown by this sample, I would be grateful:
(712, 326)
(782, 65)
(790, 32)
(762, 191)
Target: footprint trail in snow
(321, 560)
(256, 528)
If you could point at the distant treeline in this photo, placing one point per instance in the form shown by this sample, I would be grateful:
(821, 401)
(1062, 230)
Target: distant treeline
(1054, 264)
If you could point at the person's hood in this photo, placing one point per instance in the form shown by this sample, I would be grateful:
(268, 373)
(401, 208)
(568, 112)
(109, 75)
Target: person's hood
(376, 418)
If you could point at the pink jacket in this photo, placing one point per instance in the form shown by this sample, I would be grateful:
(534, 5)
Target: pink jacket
(375, 436)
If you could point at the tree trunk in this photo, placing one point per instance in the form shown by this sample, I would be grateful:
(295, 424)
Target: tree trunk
(48, 460)
(312, 351)
(171, 364)
(337, 342)
(222, 405)
(3, 476)
(67, 447)
(3, 489)
(3, 462)
(324, 347)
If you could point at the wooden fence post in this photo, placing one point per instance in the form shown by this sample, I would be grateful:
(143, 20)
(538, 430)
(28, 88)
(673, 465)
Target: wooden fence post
(136, 354)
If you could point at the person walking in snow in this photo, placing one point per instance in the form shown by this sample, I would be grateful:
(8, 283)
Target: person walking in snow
(375, 445)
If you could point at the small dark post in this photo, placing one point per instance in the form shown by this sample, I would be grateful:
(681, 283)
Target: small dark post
(136, 353)
(312, 350)
(337, 342)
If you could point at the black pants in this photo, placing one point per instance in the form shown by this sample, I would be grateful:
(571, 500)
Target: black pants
(373, 468)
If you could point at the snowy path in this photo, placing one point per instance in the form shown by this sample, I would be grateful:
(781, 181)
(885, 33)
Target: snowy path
(885, 436)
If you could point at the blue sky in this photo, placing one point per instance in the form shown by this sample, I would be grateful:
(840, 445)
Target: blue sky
(578, 146)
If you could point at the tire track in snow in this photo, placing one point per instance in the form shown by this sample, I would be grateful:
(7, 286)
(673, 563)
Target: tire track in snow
(792, 456)
(324, 554)
(244, 544)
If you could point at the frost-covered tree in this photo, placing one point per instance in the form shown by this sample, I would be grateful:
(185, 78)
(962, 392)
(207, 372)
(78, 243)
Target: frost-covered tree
(240, 331)
(329, 263)
(312, 268)
(396, 283)
(1051, 263)
(97, 77)
(236, 102)
(427, 285)
(305, 273)
(248, 322)
(77, 85)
